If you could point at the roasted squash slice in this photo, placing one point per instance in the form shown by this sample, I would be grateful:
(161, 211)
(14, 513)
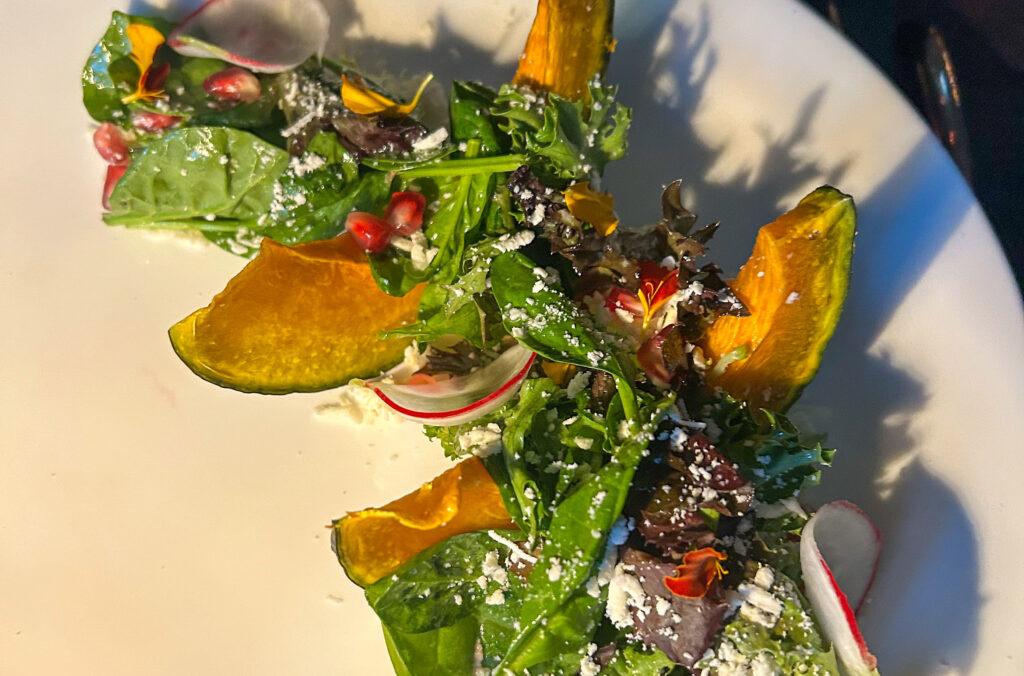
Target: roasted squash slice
(373, 543)
(297, 318)
(794, 285)
(568, 44)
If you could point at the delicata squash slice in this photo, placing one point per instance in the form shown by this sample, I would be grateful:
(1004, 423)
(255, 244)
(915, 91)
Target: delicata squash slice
(373, 543)
(297, 318)
(794, 285)
(568, 43)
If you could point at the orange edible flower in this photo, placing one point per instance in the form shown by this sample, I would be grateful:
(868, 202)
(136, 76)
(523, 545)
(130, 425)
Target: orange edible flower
(657, 285)
(362, 100)
(373, 543)
(596, 208)
(694, 577)
(145, 41)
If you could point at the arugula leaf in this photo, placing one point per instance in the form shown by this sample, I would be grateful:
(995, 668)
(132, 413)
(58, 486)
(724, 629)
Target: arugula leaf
(630, 660)
(793, 644)
(768, 449)
(564, 140)
(448, 230)
(190, 175)
(109, 74)
(465, 307)
(437, 587)
(534, 396)
(448, 650)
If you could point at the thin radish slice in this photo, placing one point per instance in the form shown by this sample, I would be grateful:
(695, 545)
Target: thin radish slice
(460, 399)
(266, 36)
(839, 550)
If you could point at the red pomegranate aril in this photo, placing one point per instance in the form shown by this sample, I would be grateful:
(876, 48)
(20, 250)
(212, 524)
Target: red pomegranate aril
(233, 84)
(151, 123)
(114, 174)
(371, 233)
(111, 143)
(405, 212)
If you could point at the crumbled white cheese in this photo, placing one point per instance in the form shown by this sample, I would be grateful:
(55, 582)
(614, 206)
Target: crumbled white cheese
(357, 405)
(624, 591)
(481, 441)
(759, 605)
(577, 384)
(432, 140)
(496, 598)
(492, 568)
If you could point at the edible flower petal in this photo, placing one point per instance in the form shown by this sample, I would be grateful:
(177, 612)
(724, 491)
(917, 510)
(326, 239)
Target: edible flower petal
(699, 569)
(145, 41)
(362, 100)
(596, 208)
(657, 285)
(559, 372)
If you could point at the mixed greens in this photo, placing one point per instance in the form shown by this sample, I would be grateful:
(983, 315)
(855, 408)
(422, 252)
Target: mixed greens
(641, 513)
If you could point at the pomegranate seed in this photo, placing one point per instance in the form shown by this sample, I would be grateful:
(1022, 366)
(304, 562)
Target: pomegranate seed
(111, 143)
(114, 174)
(233, 84)
(371, 233)
(152, 123)
(405, 212)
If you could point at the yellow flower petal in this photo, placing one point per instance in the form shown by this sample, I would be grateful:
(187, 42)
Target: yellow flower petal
(364, 101)
(145, 41)
(559, 372)
(596, 208)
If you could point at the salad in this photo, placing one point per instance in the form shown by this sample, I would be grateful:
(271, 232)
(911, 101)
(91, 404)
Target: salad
(624, 498)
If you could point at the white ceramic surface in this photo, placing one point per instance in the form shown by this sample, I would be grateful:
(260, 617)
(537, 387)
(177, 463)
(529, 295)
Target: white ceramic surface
(151, 523)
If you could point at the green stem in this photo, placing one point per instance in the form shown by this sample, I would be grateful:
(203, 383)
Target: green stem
(466, 167)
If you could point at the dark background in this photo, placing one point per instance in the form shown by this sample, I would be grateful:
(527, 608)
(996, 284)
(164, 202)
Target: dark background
(984, 40)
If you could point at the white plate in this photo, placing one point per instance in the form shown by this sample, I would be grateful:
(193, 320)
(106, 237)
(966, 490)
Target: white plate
(151, 523)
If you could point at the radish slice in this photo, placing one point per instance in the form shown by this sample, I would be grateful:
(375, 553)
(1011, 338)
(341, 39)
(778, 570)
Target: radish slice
(839, 550)
(459, 399)
(266, 36)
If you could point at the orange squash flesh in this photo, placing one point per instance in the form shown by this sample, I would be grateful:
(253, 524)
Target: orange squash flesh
(373, 543)
(568, 44)
(794, 285)
(297, 318)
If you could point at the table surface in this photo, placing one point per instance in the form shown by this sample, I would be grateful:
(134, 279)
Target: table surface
(985, 39)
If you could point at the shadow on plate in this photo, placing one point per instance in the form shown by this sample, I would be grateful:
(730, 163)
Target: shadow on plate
(924, 618)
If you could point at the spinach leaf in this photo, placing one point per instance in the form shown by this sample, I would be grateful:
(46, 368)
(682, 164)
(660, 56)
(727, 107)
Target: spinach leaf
(448, 650)
(566, 140)
(189, 100)
(564, 634)
(197, 173)
(578, 532)
(541, 317)
(109, 74)
(437, 587)
(469, 109)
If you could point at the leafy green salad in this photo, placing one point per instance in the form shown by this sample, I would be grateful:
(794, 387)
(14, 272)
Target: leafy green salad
(625, 498)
